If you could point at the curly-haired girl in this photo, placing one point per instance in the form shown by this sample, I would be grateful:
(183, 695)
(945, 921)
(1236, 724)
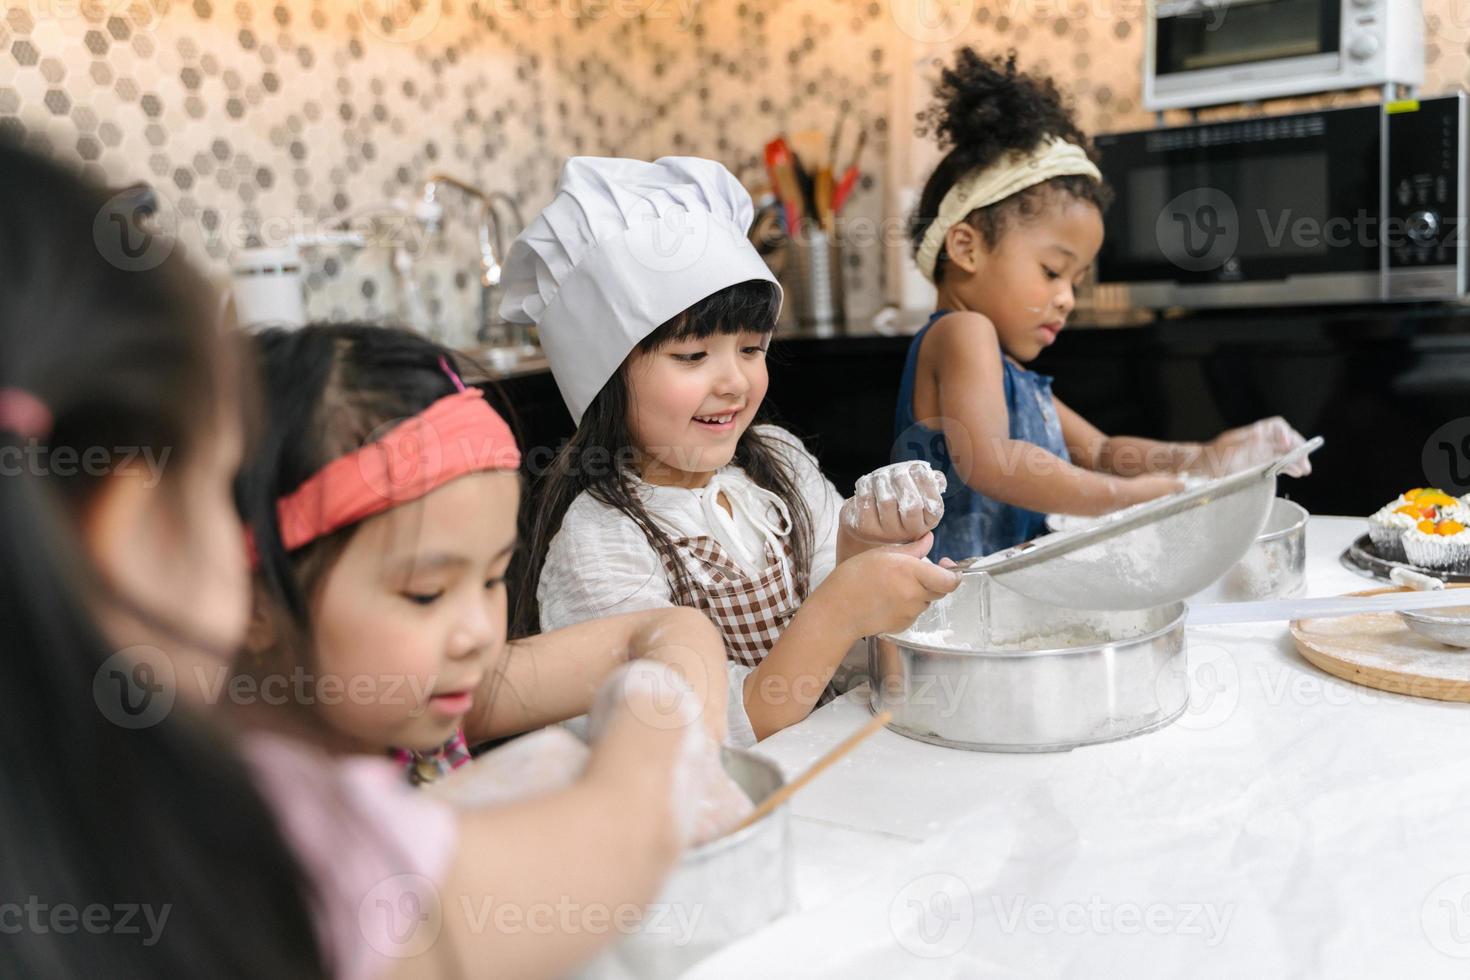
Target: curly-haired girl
(1007, 228)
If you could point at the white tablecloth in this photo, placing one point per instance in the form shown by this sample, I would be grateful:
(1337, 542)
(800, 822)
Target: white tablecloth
(1289, 824)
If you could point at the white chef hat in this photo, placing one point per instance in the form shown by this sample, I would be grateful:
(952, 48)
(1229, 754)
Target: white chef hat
(623, 247)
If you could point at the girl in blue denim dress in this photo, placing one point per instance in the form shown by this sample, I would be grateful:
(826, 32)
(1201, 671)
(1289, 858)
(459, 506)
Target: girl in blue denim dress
(1007, 227)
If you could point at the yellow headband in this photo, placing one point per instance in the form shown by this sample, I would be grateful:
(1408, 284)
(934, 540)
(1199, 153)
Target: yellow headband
(1053, 158)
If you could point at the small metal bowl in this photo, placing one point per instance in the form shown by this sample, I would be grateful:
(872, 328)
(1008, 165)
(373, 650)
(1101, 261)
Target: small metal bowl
(1450, 625)
(719, 892)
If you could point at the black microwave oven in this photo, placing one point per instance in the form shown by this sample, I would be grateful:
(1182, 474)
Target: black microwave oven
(1353, 205)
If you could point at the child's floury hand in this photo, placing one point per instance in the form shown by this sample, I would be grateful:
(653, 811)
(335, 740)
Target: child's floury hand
(1250, 445)
(648, 702)
(884, 591)
(895, 504)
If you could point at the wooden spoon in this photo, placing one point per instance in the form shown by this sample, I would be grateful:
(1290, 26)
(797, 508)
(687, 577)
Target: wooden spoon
(841, 749)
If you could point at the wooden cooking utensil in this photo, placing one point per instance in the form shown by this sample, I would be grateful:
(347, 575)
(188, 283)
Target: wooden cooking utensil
(842, 748)
(782, 169)
(849, 176)
(822, 192)
(811, 146)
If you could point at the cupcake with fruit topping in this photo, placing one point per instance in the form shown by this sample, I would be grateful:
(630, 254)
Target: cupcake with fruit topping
(1394, 519)
(1443, 545)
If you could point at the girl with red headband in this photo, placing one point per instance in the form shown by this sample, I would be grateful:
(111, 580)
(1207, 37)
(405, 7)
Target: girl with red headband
(124, 593)
(382, 505)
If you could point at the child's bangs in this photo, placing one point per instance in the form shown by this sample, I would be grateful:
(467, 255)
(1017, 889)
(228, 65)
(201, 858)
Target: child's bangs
(752, 305)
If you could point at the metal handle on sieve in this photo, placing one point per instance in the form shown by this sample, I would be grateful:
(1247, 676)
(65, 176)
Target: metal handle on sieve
(1066, 542)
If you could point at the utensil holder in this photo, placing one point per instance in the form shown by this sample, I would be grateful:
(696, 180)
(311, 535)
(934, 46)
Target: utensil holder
(813, 281)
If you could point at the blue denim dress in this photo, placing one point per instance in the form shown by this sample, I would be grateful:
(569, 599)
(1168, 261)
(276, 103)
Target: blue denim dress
(974, 524)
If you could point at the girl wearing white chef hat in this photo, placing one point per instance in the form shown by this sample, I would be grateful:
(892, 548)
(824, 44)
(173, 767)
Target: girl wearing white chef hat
(1007, 228)
(656, 312)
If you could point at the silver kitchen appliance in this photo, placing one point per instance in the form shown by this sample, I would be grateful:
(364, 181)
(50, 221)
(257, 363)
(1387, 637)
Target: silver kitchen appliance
(1214, 52)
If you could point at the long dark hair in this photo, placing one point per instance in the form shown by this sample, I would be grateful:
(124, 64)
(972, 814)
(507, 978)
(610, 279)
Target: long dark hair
(983, 109)
(603, 435)
(121, 344)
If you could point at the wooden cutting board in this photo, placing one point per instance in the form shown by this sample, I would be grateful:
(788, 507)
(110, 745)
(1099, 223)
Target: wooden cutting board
(1379, 650)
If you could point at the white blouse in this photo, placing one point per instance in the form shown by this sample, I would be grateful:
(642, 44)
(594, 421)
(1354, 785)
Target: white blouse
(601, 564)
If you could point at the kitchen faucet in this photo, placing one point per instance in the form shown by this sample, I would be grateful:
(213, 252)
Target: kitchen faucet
(492, 247)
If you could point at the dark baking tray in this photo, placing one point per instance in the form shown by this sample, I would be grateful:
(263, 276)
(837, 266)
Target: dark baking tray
(1361, 557)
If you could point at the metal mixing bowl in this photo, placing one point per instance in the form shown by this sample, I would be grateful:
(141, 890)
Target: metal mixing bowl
(718, 893)
(1274, 567)
(1047, 679)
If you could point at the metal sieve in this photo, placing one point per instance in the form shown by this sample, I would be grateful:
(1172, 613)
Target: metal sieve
(1159, 552)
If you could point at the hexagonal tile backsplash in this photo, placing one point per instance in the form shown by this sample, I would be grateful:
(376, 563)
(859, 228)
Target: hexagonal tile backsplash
(257, 121)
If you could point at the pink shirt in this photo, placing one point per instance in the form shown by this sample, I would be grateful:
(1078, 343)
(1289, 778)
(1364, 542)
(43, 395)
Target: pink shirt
(374, 849)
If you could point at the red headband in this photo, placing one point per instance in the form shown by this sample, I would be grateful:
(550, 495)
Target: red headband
(457, 435)
(24, 414)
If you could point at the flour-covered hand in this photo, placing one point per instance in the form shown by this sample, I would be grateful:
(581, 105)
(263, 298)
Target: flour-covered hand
(706, 801)
(898, 503)
(1250, 445)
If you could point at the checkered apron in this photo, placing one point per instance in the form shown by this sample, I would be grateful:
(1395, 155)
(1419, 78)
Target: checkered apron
(750, 610)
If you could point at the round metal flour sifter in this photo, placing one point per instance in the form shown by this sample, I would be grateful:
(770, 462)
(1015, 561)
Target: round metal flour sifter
(1159, 552)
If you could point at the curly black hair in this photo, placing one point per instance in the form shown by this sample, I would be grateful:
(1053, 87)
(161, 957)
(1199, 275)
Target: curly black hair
(983, 109)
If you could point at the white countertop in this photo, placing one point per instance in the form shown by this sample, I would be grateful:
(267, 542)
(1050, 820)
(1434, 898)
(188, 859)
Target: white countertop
(1288, 824)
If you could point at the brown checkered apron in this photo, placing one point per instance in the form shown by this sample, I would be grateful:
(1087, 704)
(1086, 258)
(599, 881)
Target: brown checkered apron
(751, 611)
